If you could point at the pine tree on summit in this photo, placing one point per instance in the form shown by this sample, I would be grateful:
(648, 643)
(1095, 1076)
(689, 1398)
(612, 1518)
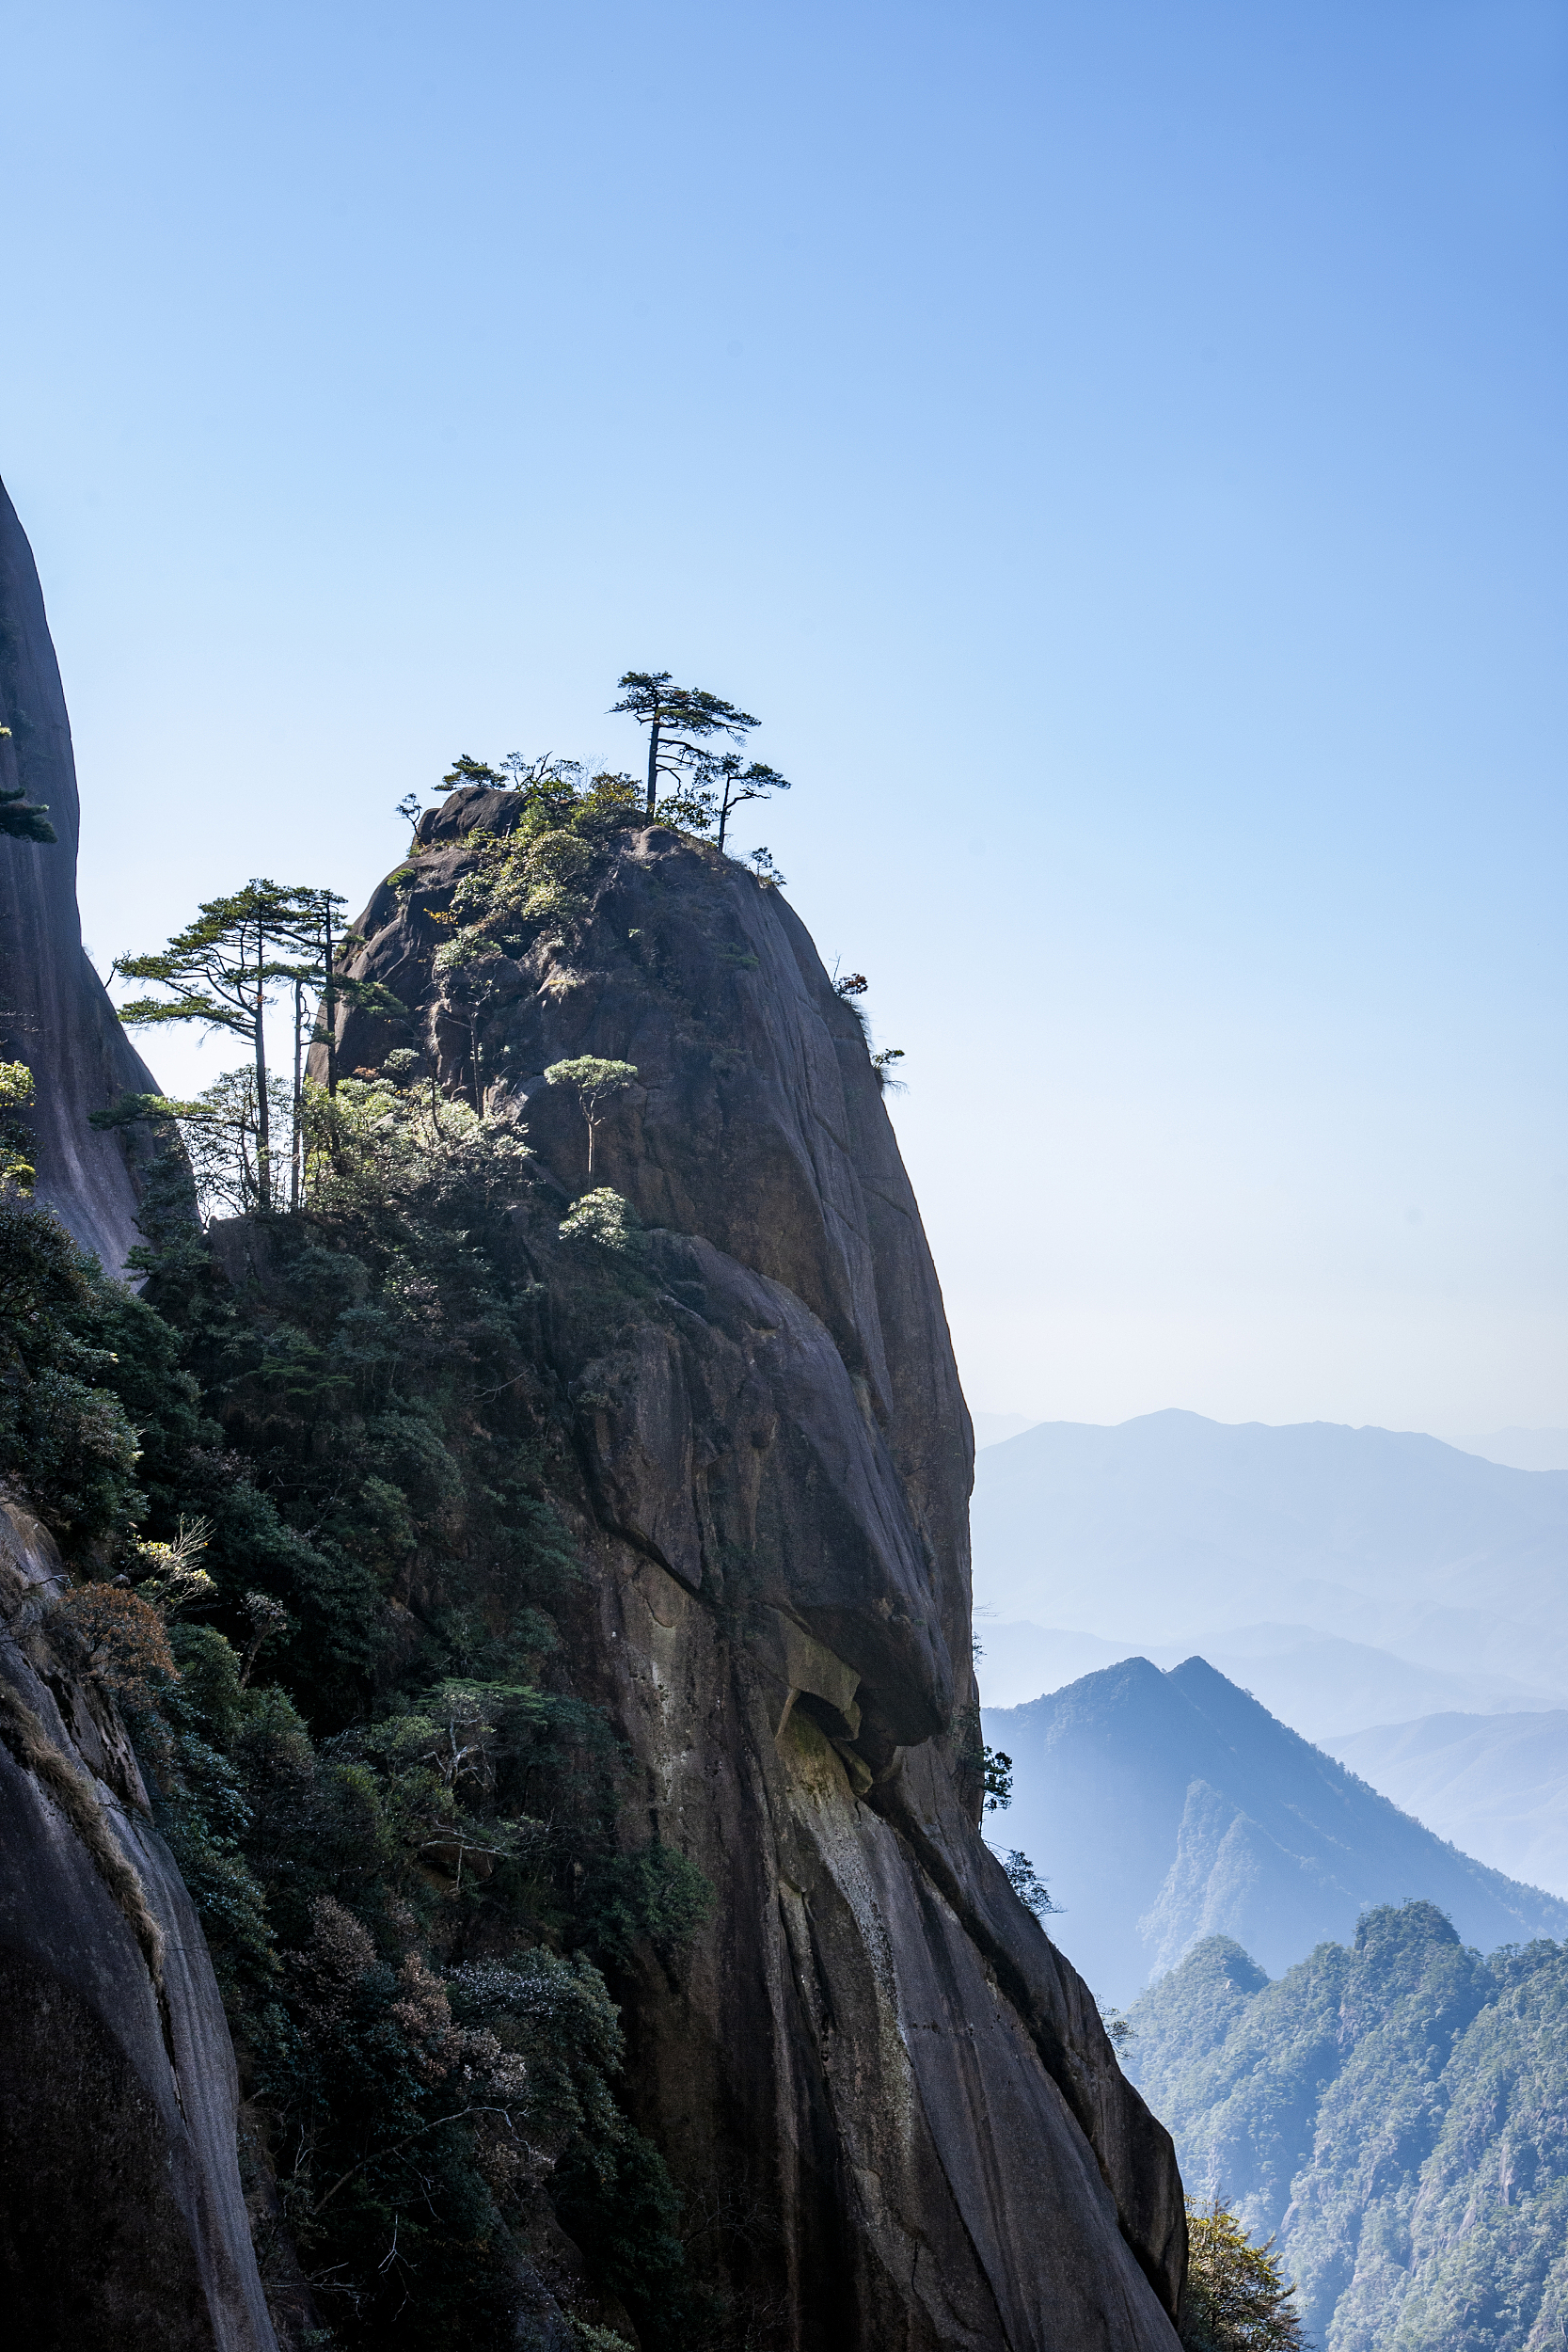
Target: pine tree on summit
(679, 719)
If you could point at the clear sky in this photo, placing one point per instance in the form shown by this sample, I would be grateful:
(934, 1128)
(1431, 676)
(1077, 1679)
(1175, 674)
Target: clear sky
(1118, 448)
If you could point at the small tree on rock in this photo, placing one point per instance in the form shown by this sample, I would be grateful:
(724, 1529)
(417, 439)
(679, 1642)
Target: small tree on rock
(595, 1083)
(733, 782)
(22, 819)
(465, 770)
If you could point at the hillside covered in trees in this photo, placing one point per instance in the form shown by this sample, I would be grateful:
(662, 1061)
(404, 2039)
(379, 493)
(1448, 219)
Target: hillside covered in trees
(1396, 2109)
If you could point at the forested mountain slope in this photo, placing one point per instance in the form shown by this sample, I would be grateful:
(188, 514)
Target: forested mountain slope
(1397, 2110)
(1161, 1808)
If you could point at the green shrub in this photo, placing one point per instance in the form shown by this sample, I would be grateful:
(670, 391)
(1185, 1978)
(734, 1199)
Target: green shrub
(655, 1893)
(603, 1220)
(1238, 2298)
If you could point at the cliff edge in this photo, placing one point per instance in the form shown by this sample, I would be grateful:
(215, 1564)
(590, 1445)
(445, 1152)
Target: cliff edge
(55, 1011)
(122, 2223)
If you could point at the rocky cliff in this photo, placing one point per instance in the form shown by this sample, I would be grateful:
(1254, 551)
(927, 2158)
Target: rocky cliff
(55, 1014)
(740, 1450)
(874, 2043)
(121, 2220)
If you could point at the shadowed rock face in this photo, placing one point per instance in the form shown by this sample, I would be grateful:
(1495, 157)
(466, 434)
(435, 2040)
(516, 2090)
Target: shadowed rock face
(55, 1014)
(122, 2225)
(874, 2048)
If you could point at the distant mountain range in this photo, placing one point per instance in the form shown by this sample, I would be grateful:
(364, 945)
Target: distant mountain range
(1164, 1807)
(1354, 1576)
(1521, 1449)
(1396, 2112)
(1497, 1785)
(1321, 1685)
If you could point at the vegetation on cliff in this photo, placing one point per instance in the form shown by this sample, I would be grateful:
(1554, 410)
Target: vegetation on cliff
(411, 1841)
(484, 1554)
(1397, 2111)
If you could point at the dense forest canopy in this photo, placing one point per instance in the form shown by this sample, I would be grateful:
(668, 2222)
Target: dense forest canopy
(1395, 2110)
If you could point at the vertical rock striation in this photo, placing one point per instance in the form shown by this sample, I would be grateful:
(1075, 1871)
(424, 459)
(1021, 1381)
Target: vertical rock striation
(122, 2225)
(55, 1013)
(875, 2051)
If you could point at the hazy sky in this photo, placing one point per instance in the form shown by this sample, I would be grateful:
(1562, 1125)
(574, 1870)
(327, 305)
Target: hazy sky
(1119, 450)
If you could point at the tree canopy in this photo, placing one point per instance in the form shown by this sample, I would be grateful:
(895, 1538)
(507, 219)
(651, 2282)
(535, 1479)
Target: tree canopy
(1238, 2297)
(223, 970)
(22, 819)
(594, 1082)
(680, 720)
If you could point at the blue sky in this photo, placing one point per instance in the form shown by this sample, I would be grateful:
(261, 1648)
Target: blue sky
(1118, 450)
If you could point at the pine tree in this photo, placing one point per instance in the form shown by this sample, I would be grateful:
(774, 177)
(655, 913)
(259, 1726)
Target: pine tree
(594, 1082)
(1238, 2298)
(733, 783)
(223, 971)
(679, 720)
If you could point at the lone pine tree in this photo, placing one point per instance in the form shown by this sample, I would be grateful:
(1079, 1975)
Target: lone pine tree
(223, 970)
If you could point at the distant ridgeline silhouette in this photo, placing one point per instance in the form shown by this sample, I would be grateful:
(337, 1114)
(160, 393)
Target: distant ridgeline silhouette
(1174, 1529)
(1162, 1808)
(1397, 2111)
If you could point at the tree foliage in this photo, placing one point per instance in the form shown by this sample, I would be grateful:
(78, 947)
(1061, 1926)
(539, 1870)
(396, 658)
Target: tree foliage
(223, 971)
(597, 1082)
(324, 1575)
(1395, 2110)
(1238, 2298)
(22, 819)
(16, 1146)
(681, 721)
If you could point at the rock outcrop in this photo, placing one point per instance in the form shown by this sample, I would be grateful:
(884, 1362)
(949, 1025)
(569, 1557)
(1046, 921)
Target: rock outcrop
(875, 2046)
(55, 1013)
(122, 2225)
(872, 2058)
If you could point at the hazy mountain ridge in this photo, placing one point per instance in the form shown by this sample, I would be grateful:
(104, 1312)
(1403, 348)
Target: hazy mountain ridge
(1397, 2111)
(1172, 1526)
(1320, 1684)
(1497, 1785)
(1164, 1807)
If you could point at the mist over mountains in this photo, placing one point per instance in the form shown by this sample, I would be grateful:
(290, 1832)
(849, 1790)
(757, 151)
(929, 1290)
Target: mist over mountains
(1495, 1785)
(1161, 1808)
(1175, 1530)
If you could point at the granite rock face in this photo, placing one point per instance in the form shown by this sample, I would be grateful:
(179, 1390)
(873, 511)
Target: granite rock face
(121, 2220)
(874, 2045)
(122, 2225)
(55, 1013)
